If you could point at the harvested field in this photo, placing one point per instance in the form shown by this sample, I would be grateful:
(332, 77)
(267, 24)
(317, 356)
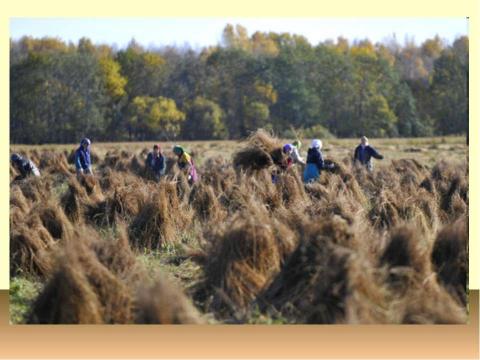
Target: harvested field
(389, 246)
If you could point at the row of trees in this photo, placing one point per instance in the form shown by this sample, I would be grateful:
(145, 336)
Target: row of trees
(60, 92)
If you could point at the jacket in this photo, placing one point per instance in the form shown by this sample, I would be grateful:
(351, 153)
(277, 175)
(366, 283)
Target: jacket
(364, 154)
(26, 167)
(295, 155)
(185, 160)
(155, 163)
(314, 156)
(82, 158)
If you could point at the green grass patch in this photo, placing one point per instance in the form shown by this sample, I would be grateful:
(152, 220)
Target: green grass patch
(23, 291)
(169, 260)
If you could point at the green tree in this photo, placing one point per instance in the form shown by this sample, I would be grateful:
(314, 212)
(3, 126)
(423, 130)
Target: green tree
(204, 121)
(377, 119)
(449, 93)
(144, 71)
(231, 73)
(293, 78)
(374, 85)
(61, 91)
(186, 76)
(404, 106)
(56, 98)
(334, 83)
(256, 115)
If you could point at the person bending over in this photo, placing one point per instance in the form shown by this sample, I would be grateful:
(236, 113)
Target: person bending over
(25, 166)
(185, 162)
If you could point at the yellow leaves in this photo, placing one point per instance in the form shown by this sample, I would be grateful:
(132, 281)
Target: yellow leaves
(258, 44)
(265, 92)
(363, 52)
(164, 108)
(114, 81)
(236, 37)
(207, 52)
(432, 47)
(342, 45)
(385, 54)
(262, 44)
(104, 51)
(45, 44)
(257, 111)
(420, 68)
(153, 60)
(140, 103)
(380, 115)
(157, 113)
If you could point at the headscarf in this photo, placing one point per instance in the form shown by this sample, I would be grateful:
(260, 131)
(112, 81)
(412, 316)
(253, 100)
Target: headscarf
(297, 144)
(178, 150)
(287, 148)
(158, 147)
(16, 158)
(316, 144)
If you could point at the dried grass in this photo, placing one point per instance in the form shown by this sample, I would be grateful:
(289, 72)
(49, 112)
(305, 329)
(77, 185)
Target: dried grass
(388, 246)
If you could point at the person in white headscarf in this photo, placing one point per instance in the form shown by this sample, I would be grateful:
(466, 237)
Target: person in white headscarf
(315, 162)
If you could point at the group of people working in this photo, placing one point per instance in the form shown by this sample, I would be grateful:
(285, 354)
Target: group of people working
(314, 164)
(156, 164)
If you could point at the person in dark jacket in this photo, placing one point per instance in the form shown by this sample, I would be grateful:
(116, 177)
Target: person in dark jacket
(83, 163)
(364, 153)
(315, 163)
(25, 166)
(155, 162)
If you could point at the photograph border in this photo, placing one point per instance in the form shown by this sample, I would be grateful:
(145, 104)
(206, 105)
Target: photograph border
(300, 341)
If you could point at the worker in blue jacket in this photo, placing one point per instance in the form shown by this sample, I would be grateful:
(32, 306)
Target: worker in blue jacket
(83, 162)
(364, 153)
(155, 162)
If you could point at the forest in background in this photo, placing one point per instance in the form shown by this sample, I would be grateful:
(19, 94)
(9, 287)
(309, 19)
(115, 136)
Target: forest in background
(60, 92)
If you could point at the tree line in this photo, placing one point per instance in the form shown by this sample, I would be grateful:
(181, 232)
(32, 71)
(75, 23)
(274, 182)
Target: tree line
(60, 92)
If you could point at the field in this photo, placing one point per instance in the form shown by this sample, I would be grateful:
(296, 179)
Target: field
(356, 247)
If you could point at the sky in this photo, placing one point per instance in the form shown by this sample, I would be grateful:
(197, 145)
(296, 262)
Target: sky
(201, 32)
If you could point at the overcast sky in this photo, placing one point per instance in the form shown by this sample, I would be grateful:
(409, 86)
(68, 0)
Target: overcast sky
(199, 32)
